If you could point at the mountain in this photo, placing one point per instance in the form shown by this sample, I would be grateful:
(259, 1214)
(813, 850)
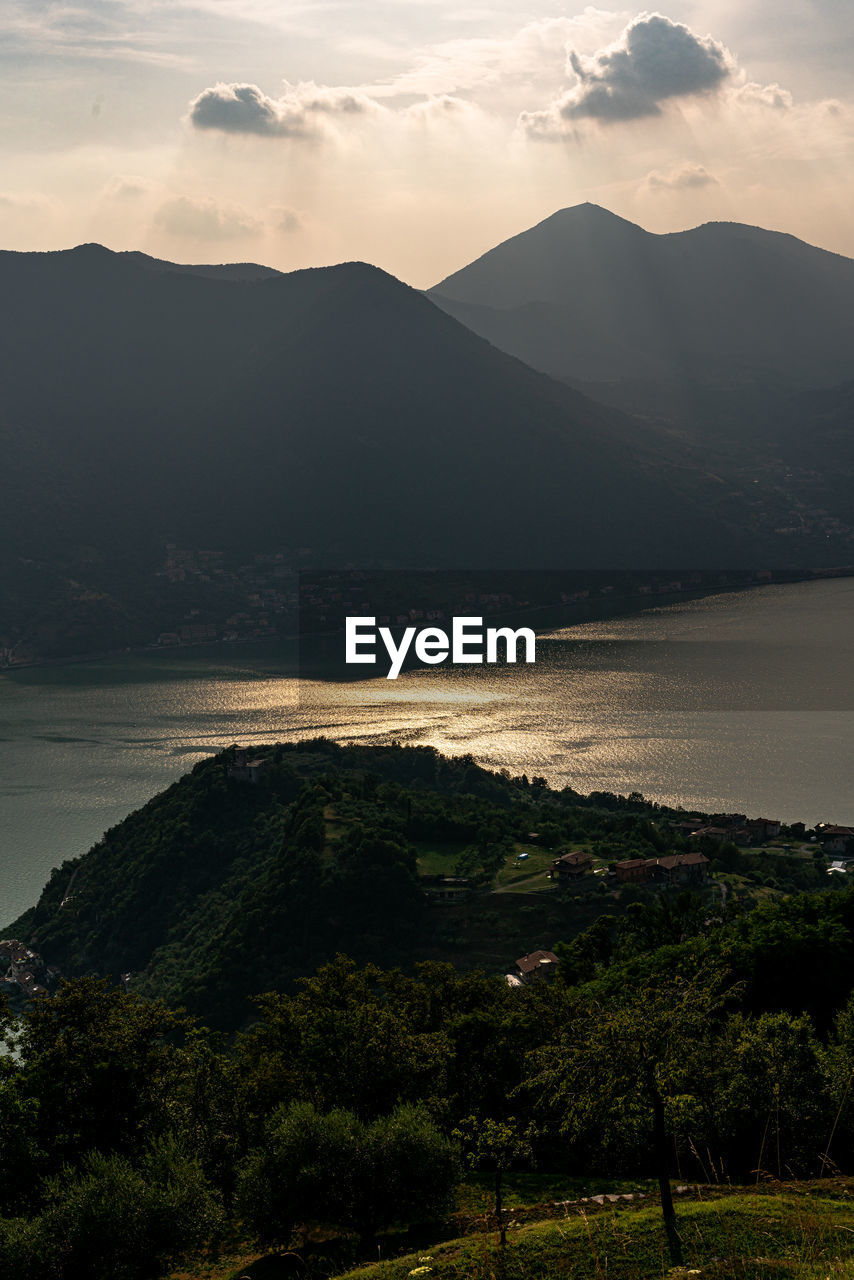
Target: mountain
(725, 337)
(218, 889)
(590, 297)
(330, 416)
(218, 271)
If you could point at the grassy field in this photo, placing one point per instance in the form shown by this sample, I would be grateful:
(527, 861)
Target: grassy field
(529, 874)
(795, 1234)
(438, 859)
(798, 1231)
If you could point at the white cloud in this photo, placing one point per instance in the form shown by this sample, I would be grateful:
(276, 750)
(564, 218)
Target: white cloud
(653, 61)
(442, 110)
(687, 177)
(298, 113)
(285, 220)
(206, 220)
(765, 95)
(128, 187)
(537, 50)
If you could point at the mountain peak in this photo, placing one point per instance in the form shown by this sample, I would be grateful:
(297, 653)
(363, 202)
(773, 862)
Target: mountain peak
(588, 212)
(91, 249)
(543, 259)
(588, 296)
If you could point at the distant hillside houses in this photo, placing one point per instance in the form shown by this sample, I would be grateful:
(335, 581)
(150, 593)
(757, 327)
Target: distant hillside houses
(674, 868)
(534, 968)
(735, 828)
(246, 769)
(834, 839)
(571, 866)
(27, 975)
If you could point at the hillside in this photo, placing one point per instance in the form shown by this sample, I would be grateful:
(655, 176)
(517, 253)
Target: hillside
(587, 296)
(725, 336)
(238, 412)
(382, 1113)
(796, 1233)
(218, 889)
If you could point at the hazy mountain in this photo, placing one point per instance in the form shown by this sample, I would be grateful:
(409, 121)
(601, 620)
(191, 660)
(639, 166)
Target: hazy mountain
(335, 411)
(587, 296)
(814, 431)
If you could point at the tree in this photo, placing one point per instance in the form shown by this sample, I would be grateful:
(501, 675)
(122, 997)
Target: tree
(496, 1146)
(21, 1159)
(629, 1054)
(347, 1040)
(303, 1171)
(333, 1167)
(114, 1219)
(771, 1095)
(205, 1106)
(96, 1061)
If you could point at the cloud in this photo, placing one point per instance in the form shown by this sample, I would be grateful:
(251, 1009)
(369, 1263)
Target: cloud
(27, 210)
(26, 215)
(653, 61)
(765, 95)
(285, 220)
(128, 187)
(239, 108)
(26, 203)
(311, 112)
(443, 108)
(690, 176)
(205, 220)
(246, 109)
(118, 32)
(534, 53)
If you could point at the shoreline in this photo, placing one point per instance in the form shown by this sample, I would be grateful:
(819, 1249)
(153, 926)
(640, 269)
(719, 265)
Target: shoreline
(573, 613)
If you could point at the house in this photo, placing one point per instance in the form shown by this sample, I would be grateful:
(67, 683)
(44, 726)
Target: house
(764, 828)
(446, 888)
(717, 834)
(835, 839)
(632, 871)
(678, 868)
(537, 965)
(246, 770)
(572, 866)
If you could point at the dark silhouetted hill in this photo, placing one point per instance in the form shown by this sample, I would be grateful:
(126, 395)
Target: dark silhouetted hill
(333, 415)
(587, 296)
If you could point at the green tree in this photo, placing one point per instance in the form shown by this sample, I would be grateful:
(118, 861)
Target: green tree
(114, 1219)
(21, 1158)
(496, 1146)
(96, 1061)
(629, 1054)
(333, 1167)
(771, 1093)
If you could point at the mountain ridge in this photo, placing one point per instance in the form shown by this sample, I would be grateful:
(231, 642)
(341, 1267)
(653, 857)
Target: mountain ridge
(723, 298)
(332, 416)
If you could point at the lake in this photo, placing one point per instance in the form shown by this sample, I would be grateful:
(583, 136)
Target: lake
(742, 701)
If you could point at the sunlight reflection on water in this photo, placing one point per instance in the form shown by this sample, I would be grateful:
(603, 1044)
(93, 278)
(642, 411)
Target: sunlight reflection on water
(743, 702)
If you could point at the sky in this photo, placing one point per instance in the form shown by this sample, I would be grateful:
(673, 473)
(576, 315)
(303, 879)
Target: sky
(415, 135)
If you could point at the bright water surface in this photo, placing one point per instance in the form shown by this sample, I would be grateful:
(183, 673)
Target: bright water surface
(742, 701)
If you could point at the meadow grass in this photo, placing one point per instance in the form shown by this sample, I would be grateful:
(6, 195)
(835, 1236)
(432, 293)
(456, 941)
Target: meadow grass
(791, 1233)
